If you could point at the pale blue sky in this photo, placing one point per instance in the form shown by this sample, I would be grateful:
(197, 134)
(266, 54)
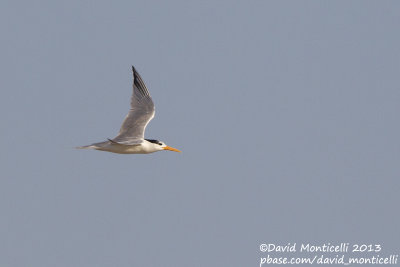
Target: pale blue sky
(287, 113)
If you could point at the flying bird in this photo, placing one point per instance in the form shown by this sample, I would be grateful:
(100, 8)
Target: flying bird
(130, 139)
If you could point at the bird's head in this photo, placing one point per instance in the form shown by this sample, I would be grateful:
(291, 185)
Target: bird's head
(159, 145)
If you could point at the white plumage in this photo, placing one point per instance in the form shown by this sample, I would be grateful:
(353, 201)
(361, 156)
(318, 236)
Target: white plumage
(130, 139)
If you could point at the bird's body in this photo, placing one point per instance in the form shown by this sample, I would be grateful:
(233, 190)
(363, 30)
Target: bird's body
(130, 139)
(145, 147)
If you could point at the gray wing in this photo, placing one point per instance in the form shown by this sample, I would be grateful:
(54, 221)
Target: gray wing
(141, 112)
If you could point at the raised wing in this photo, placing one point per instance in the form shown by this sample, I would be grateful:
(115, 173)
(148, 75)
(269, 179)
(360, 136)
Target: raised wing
(141, 112)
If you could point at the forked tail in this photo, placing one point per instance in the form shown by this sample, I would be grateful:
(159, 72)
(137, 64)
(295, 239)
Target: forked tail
(85, 147)
(94, 146)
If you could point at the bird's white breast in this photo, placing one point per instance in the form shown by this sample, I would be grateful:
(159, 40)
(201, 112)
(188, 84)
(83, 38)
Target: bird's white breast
(144, 148)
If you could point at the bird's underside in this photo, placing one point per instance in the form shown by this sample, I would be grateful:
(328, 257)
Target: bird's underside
(114, 147)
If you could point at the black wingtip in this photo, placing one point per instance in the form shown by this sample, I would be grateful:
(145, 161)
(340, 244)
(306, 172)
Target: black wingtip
(134, 71)
(138, 82)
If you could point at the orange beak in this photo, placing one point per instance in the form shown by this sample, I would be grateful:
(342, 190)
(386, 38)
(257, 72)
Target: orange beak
(171, 149)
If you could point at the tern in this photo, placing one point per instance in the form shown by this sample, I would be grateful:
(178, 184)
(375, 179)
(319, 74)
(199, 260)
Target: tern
(130, 139)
